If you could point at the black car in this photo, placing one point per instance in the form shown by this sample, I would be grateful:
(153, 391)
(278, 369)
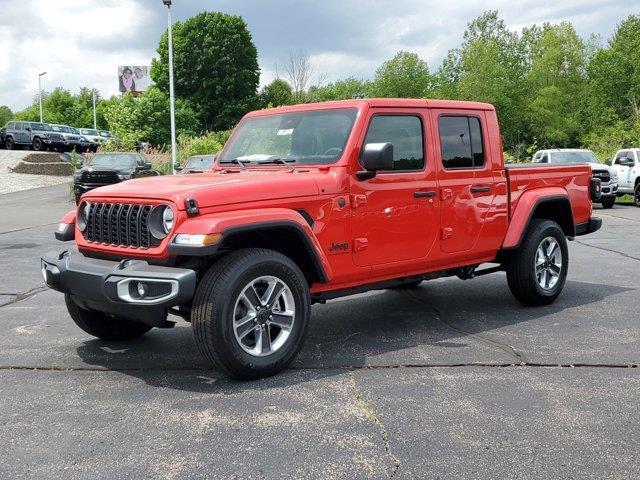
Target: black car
(109, 168)
(198, 164)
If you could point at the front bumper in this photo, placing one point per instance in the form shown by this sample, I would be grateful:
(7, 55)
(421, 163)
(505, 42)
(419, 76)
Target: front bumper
(132, 289)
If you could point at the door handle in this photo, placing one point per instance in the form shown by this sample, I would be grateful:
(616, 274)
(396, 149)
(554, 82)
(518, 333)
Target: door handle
(424, 194)
(480, 188)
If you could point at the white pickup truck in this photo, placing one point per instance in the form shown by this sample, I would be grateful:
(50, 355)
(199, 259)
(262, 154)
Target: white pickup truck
(607, 175)
(626, 163)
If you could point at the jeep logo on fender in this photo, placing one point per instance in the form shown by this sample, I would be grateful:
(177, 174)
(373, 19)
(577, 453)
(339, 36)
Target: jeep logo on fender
(338, 247)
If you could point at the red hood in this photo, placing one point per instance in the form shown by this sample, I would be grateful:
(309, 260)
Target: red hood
(215, 188)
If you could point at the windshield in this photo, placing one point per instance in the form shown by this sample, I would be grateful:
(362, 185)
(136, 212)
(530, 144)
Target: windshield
(87, 131)
(114, 160)
(573, 157)
(200, 163)
(60, 128)
(40, 126)
(313, 137)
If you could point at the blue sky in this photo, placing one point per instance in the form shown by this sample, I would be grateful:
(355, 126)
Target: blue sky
(81, 42)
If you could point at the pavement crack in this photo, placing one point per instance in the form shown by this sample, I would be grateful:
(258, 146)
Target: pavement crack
(506, 348)
(24, 295)
(27, 228)
(625, 255)
(618, 216)
(371, 415)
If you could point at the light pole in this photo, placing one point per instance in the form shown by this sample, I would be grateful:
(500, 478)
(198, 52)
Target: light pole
(93, 96)
(171, 94)
(40, 93)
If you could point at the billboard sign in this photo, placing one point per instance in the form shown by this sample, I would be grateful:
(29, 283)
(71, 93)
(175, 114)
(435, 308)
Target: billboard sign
(134, 78)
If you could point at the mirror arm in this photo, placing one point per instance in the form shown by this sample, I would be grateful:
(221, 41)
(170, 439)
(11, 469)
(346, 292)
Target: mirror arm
(365, 174)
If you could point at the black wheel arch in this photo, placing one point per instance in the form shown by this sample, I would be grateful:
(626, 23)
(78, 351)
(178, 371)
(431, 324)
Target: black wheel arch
(286, 237)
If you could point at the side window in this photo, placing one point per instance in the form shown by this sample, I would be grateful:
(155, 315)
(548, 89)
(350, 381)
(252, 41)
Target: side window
(405, 133)
(545, 158)
(11, 126)
(461, 142)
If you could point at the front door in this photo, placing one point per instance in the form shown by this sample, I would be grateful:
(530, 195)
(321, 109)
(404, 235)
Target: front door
(394, 214)
(465, 177)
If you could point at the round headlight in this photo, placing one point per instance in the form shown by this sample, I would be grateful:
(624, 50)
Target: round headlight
(167, 219)
(161, 221)
(81, 217)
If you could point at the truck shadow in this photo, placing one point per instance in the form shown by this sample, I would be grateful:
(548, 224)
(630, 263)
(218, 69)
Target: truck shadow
(440, 323)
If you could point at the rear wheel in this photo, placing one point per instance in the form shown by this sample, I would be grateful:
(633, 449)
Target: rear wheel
(104, 326)
(537, 271)
(608, 202)
(250, 313)
(636, 195)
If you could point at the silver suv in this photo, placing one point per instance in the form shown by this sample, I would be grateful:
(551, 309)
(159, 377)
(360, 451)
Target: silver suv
(38, 136)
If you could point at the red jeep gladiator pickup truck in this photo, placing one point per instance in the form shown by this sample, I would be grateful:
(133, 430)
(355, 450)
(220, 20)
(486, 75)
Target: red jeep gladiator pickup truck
(312, 202)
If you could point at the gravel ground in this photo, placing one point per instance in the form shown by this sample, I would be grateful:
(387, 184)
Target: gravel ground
(15, 182)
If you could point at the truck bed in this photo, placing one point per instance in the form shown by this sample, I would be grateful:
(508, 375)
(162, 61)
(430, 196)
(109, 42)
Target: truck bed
(574, 179)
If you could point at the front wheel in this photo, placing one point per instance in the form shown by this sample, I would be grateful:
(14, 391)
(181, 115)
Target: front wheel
(608, 202)
(9, 144)
(636, 195)
(250, 313)
(38, 144)
(104, 326)
(537, 271)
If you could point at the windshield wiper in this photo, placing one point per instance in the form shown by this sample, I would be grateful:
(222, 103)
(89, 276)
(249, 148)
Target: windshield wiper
(237, 161)
(281, 161)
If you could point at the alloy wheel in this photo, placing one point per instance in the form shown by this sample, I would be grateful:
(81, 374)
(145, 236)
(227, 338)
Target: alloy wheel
(263, 316)
(548, 263)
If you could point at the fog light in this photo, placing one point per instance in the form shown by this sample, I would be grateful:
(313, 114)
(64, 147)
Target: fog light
(142, 289)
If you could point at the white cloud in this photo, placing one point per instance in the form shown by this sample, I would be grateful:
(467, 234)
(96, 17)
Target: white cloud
(81, 42)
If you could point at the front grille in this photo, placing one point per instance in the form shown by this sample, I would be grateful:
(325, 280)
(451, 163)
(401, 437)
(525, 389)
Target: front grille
(603, 175)
(99, 177)
(121, 224)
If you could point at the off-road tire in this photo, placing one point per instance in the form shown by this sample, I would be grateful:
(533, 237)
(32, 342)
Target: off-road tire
(104, 326)
(9, 144)
(212, 313)
(38, 144)
(608, 202)
(636, 195)
(521, 269)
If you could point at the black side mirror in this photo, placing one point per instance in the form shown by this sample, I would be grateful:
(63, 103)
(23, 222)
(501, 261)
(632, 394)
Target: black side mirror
(608, 161)
(177, 169)
(375, 157)
(28, 129)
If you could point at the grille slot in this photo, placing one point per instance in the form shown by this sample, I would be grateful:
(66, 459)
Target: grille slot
(99, 177)
(120, 224)
(603, 175)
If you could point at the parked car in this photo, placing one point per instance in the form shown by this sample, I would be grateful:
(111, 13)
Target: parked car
(86, 145)
(605, 173)
(109, 168)
(38, 136)
(626, 163)
(92, 135)
(335, 199)
(198, 164)
(73, 140)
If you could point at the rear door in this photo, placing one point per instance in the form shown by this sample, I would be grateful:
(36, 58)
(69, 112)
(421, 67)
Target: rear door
(394, 216)
(465, 178)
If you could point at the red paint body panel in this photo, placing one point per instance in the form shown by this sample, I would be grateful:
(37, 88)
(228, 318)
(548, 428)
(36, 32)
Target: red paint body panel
(389, 232)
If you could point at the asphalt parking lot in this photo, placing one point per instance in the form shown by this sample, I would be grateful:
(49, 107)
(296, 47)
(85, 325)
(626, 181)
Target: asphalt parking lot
(453, 380)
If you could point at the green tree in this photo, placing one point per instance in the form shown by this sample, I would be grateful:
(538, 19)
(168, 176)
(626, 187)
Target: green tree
(146, 118)
(5, 115)
(341, 90)
(556, 84)
(215, 67)
(406, 75)
(277, 93)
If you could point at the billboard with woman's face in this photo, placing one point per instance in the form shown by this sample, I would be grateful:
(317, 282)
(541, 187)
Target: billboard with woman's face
(133, 78)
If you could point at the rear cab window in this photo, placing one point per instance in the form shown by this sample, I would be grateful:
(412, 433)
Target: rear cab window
(461, 141)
